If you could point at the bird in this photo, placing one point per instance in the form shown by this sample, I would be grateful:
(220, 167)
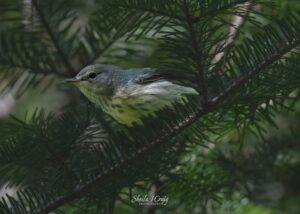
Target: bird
(128, 95)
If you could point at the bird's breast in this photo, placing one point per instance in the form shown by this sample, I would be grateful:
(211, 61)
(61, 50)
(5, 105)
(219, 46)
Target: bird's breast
(133, 101)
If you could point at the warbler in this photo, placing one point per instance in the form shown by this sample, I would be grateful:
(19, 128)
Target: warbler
(129, 95)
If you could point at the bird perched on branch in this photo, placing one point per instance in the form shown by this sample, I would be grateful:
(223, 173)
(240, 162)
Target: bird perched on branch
(129, 95)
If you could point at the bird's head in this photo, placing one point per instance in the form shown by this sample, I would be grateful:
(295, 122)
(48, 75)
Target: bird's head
(95, 79)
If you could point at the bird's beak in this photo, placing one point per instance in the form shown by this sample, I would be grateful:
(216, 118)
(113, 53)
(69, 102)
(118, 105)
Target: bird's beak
(71, 80)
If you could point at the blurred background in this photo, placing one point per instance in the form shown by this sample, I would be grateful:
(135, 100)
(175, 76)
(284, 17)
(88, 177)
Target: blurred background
(268, 176)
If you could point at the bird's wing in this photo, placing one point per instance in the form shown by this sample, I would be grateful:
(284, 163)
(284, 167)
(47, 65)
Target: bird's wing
(149, 77)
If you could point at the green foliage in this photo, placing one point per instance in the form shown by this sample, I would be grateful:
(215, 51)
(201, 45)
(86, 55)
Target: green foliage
(79, 160)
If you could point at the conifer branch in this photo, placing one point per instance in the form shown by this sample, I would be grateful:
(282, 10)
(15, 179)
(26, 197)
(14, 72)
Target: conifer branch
(197, 53)
(193, 19)
(140, 154)
(247, 64)
(60, 160)
(27, 67)
(150, 10)
(52, 37)
(211, 13)
(244, 79)
(105, 48)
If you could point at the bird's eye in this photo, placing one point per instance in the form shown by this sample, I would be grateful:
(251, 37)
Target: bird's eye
(92, 75)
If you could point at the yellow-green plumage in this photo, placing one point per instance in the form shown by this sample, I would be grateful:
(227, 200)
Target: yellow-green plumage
(128, 96)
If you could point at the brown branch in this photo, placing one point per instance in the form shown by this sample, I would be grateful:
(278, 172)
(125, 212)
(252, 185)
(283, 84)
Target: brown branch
(52, 37)
(7, 103)
(150, 208)
(215, 11)
(234, 30)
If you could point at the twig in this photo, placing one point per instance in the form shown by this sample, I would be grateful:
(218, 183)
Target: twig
(150, 208)
(52, 37)
(215, 11)
(237, 23)
(7, 103)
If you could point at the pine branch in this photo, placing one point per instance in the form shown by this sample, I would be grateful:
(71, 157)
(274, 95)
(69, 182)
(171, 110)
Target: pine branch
(197, 53)
(103, 50)
(139, 156)
(52, 37)
(243, 80)
(59, 160)
(126, 20)
(257, 63)
(27, 67)
(150, 10)
(217, 10)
